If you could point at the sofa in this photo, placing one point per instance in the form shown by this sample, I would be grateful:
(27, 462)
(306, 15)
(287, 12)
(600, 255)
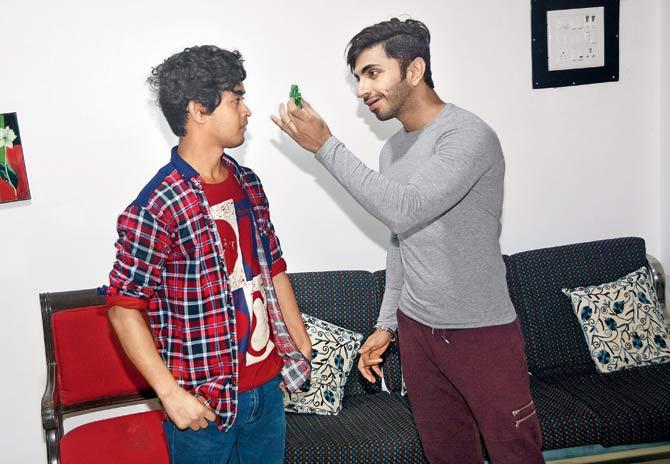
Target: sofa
(579, 409)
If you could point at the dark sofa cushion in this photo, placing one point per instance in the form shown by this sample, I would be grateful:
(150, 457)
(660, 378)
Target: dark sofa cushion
(566, 421)
(344, 298)
(554, 341)
(632, 404)
(371, 428)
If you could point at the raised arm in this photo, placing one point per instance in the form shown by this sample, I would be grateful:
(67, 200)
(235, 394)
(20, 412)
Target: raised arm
(460, 158)
(446, 177)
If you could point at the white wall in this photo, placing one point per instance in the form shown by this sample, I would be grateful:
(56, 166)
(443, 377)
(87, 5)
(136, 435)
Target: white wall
(583, 163)
(664, 138)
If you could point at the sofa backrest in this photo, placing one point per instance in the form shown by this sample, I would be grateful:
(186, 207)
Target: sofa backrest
(348, 299)
(555, 343)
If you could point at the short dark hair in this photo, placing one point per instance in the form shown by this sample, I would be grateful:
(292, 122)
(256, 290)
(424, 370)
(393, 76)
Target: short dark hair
(197, 74)
(402, 40)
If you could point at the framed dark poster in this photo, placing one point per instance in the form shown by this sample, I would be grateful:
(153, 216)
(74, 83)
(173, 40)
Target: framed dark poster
(574, 42)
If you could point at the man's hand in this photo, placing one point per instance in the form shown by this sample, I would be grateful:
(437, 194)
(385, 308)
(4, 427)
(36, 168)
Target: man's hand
(185, 410)
(304, 125)
(371, 352)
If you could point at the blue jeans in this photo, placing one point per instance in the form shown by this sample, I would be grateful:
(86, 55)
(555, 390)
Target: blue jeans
(257, 436)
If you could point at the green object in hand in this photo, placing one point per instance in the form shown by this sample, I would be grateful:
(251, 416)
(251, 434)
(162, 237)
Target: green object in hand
(295, 95)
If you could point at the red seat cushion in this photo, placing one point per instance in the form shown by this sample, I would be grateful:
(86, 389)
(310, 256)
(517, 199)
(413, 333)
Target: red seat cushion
(91, 362)
(132, 439)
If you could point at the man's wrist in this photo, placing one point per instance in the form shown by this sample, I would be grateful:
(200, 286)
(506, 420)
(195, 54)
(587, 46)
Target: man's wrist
(167, 391)
(392, 332)
(326, 146)
(324, 140)
(306, 347)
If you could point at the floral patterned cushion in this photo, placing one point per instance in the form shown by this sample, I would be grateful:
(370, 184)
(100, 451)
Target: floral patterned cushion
(623, 322)
(334, 350)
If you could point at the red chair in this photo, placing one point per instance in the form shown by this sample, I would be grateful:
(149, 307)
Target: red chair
(87, 370)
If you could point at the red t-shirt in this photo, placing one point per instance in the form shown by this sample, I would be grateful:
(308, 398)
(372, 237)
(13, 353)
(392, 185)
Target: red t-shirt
(258, 357)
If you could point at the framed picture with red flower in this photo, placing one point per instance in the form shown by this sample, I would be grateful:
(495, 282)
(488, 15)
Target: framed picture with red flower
(13, 175)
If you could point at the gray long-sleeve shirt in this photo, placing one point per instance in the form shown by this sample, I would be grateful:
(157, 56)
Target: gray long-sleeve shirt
(440, 191)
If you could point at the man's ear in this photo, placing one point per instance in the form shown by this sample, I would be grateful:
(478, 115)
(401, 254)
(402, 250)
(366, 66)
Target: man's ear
(415, 71)
(196, 112)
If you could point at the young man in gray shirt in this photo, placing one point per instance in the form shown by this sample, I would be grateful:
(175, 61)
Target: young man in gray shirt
(440, 191)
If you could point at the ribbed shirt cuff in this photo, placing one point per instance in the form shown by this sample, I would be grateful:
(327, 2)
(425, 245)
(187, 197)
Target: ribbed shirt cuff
(389, 323)
(327, 148)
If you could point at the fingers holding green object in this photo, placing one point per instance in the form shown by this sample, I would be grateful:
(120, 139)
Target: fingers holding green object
(294, 94)
(306, 106)
(303, 125)
(283, 121)
(295, 112)
(307, 110)
(284, 114)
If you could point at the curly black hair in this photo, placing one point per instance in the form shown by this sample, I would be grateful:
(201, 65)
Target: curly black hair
(402, 40)
(197, 74)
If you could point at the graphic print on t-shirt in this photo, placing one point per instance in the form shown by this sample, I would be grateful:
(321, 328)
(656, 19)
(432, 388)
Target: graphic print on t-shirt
(245, 284)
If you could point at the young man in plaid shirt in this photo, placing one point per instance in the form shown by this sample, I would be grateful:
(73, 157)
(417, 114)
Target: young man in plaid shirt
(198, 256)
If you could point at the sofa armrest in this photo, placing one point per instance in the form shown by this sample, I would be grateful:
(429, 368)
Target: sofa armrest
(658, 275)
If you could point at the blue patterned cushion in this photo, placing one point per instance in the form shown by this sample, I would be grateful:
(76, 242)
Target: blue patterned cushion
(555, 343)
(344, 298)
(334, 350)
(622, 322)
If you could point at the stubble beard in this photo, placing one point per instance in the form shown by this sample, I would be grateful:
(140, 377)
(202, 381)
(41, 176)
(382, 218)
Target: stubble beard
(397, 96)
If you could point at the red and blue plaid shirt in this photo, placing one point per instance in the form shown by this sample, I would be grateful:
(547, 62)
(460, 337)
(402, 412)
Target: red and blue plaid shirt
(170, 256)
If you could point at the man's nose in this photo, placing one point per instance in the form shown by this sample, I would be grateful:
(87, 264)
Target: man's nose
(362, 90)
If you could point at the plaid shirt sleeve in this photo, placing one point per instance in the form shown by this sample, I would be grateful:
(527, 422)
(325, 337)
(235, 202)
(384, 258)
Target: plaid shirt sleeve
(261, 207)
(278, 267)
(141, 250)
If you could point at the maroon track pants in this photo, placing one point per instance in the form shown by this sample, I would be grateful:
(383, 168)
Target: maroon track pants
(466, 382)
